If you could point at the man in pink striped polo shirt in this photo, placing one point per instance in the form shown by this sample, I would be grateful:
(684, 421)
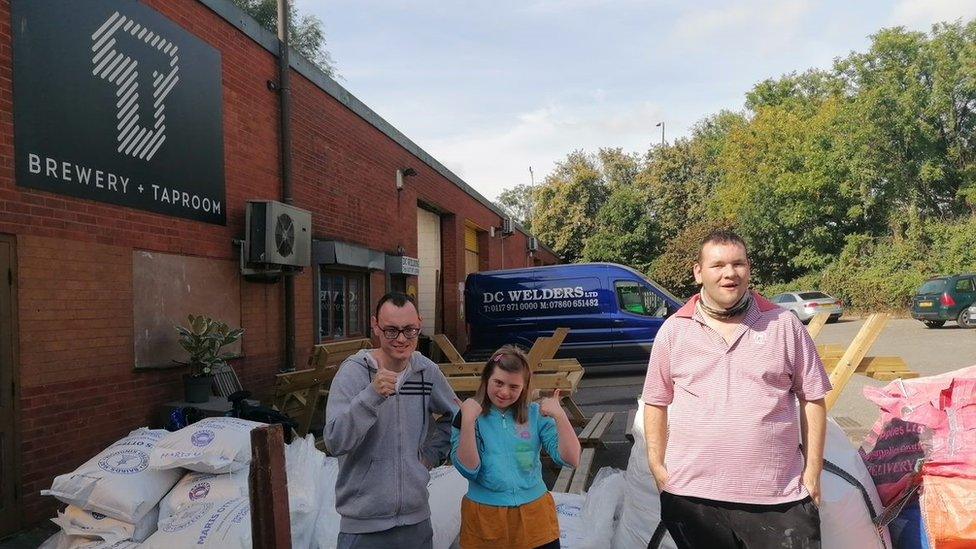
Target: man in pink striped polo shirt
(720, 417)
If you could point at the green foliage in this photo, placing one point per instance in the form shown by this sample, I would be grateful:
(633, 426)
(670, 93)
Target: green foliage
(567, 204)
(810, 281)
(305, 31)
(517, 202)
(202, 340)
(625, 233)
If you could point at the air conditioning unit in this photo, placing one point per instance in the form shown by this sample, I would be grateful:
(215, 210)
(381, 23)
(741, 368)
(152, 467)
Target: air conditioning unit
(508, 226)
(278, 234)
(533, 244)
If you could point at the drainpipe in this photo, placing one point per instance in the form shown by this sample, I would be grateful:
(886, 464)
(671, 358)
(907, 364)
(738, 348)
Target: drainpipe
(284, 91)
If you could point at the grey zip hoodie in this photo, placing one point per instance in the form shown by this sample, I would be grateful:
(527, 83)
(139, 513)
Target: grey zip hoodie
(380, 442)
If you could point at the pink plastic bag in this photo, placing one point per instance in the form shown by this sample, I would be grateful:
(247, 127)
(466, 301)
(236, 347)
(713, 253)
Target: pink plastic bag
(931, 418)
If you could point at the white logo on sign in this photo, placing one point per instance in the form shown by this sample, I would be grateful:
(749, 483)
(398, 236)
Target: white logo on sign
(120, 69)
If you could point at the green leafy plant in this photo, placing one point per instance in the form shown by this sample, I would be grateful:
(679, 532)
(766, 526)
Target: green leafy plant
(203, 339)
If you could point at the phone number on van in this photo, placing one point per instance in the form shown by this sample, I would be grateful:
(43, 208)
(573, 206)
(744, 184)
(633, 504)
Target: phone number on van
(542, 305)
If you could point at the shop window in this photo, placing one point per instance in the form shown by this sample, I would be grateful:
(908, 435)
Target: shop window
(342, 304)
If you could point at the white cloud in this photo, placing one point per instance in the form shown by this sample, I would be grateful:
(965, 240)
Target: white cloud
(767, 22)
(921, 14)
(491, 161)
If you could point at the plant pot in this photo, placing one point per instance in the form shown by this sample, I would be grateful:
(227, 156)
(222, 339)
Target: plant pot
(197, 389)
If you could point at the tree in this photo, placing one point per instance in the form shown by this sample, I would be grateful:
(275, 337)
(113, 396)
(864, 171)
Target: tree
(567, 204)
(625, 233)
(306, 35)
(517, 202)
(787, 188)
(912, 121)
(618, 169)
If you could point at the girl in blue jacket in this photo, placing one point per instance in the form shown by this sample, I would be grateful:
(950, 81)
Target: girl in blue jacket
(495, 444)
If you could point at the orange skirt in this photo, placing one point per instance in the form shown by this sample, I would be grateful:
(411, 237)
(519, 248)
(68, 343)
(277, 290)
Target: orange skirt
(524, 527)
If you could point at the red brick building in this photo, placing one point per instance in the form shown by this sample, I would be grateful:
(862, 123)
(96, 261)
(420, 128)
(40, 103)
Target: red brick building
(90, 286)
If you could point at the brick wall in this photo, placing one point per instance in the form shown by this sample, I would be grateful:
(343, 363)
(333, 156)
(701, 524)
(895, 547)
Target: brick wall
(78, 388)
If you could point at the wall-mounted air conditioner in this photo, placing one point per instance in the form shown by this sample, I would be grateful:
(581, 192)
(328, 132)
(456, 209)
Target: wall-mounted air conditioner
(508, 226)
(278, 234)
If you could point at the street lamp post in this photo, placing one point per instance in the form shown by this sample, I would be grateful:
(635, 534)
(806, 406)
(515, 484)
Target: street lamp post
(661, 125)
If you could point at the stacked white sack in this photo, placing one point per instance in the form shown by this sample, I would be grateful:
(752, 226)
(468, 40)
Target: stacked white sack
(569, 513)
(75, 521)
(211, 445)
(215, 508)
(65, 541)
(118, 482)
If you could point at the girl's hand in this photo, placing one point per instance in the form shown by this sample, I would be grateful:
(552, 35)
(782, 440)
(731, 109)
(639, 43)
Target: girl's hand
(552, 406)
(470, 408)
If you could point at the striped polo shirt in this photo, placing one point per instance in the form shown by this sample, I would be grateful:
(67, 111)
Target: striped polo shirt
(733, 422)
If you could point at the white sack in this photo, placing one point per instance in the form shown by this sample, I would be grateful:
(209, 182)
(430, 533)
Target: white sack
(61, 540)
(641, 512)
(601, 510)
(569, 513)
(326, 529)
(304, 464)
(446, 490)
(205, 524)
(845, 520)
(211, 445)
(196, 487)
(118, 482)
(75, 521)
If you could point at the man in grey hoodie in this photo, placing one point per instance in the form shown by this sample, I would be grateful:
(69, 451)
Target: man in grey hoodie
(379, 424)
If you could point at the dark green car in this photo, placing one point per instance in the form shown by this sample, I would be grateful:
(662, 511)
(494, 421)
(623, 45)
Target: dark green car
(945, 298)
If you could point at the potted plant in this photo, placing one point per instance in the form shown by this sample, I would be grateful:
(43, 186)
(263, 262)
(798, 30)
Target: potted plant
(203, 339)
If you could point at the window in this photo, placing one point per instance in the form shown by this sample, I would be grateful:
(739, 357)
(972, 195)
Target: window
(964, 285)
(787, 298)
(814, 295)
(342, 304)
(935, 286)
(639, 300)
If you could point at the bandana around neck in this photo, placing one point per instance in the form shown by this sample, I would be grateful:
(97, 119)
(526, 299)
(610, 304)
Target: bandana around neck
(715, 311)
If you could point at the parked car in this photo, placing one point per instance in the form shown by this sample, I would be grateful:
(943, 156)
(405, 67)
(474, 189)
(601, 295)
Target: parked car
(806, 305)
(943, 298)
(613, 312)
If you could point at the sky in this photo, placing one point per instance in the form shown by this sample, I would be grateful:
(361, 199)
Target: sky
(492, 88)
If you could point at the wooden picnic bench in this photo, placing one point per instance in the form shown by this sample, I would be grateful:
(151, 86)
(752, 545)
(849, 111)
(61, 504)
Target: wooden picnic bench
(548, 373)
(574, 480)
(298, 393)
(841, 363)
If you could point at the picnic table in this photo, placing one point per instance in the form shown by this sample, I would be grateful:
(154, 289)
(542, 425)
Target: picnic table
(842, 363)
(548, 373)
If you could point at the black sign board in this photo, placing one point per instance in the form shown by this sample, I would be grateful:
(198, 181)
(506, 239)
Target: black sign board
(114, 102)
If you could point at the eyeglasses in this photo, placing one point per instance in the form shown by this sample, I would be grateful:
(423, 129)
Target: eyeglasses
(409, 332)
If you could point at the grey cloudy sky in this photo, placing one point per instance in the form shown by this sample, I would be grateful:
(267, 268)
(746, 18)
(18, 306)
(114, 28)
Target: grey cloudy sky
(491, 88)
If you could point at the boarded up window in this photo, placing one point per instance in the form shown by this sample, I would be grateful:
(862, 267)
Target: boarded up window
(166, 288)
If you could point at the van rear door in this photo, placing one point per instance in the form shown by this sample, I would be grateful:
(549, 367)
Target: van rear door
(642, 310)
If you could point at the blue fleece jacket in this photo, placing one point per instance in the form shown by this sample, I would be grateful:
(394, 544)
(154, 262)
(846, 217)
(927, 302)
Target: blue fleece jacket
(510, 473)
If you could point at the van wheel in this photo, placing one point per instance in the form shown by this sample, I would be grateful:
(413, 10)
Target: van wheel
(933, 323)
(964, 320)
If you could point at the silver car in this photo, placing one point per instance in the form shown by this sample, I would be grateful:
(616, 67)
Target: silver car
(806, 305)
(971, 319)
